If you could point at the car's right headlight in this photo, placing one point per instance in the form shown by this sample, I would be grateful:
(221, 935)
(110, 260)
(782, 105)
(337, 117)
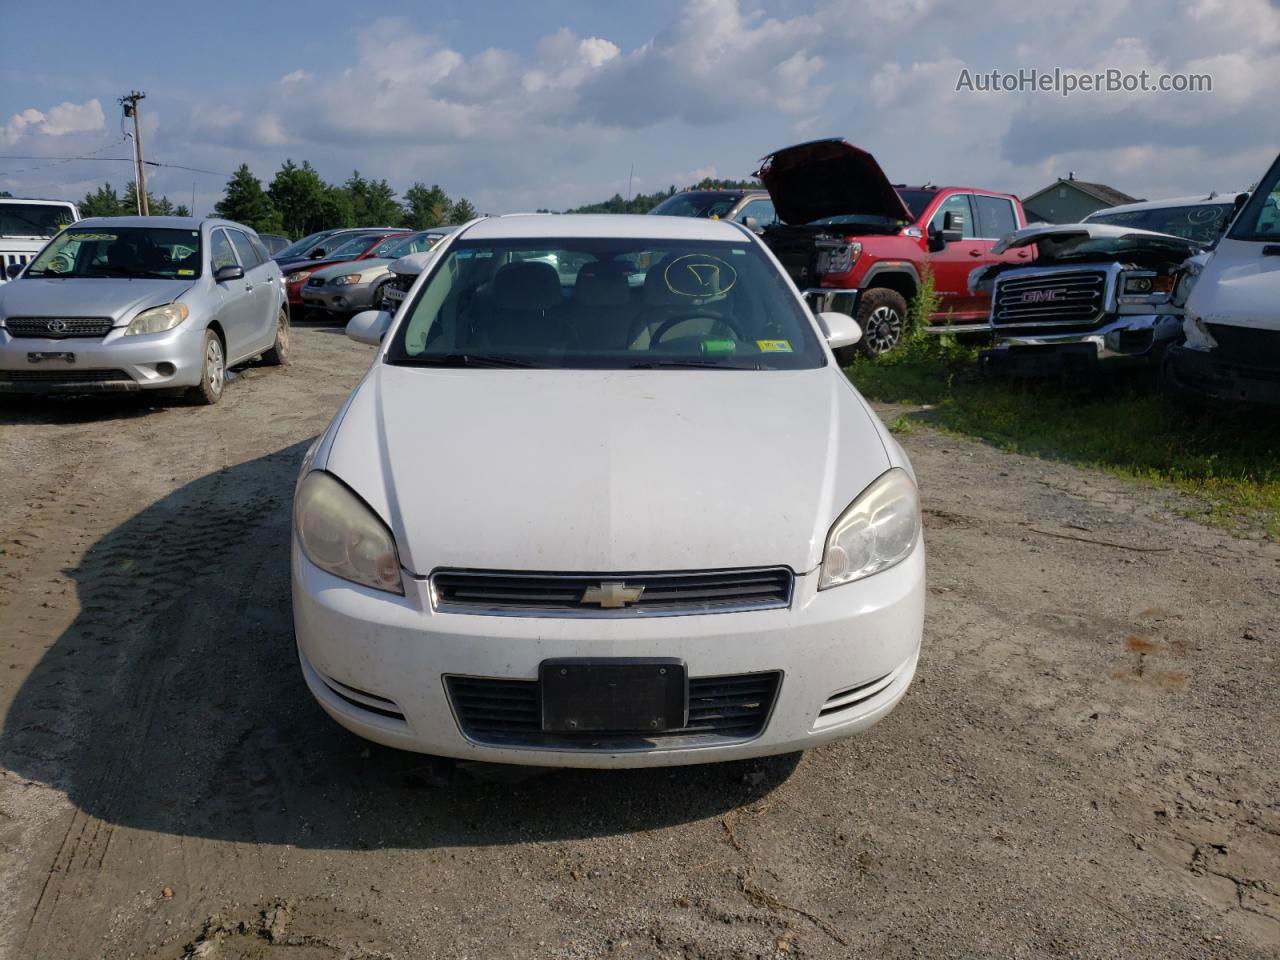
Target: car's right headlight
(876, 531)
(158, 319)
(339, 533)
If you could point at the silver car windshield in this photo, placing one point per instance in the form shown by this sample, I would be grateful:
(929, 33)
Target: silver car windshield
(165, 254)
(607, 303)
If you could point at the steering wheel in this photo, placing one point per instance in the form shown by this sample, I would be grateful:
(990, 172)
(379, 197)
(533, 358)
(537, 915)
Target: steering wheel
(665, 326)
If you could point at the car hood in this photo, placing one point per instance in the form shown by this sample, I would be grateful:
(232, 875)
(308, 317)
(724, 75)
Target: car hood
(828, 178)
(344, 267)
(119, 298)
(1104, 237)
(606, 471)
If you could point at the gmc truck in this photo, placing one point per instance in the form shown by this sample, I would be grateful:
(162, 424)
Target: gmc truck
(855, 243)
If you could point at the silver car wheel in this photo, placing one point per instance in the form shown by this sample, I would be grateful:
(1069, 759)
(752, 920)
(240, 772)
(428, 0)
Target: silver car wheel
(883, 330)
(214, 365)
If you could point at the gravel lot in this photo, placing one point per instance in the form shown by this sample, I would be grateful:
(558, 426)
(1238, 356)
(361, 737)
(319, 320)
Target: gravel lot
(1087, 766)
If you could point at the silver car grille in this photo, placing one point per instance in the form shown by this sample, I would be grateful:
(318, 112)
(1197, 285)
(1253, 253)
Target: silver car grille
(611, 595)
(1067, 299)
(58, 328)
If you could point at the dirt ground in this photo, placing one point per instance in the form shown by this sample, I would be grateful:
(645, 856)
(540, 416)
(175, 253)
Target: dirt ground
(1087, 765)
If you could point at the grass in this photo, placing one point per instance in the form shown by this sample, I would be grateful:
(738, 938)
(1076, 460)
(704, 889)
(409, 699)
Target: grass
(1229, 460)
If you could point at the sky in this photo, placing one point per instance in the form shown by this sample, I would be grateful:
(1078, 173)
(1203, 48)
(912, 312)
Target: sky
(548, 104)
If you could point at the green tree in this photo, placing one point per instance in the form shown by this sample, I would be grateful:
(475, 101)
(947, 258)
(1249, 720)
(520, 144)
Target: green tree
(302, 198)
(181, 210)
(103, 202)
(244, 201)
(462, 211)
(382, 209)
(427, 207)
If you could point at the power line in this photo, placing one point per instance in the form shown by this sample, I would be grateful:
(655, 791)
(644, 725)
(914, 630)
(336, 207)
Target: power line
(60, 160)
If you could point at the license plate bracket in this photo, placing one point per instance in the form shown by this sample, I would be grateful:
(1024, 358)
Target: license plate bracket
(640, 695)
(36, 356)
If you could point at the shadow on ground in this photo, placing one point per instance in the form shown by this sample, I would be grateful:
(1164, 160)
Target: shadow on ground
(174, 703)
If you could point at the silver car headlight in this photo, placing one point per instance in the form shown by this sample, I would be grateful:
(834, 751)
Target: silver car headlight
(878, 530)
(346, 281)
(158, 319)
(297, 276)
(340, 534)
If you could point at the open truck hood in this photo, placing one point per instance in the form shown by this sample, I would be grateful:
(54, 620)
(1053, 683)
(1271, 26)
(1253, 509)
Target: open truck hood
(1104, 239)
(829, 178)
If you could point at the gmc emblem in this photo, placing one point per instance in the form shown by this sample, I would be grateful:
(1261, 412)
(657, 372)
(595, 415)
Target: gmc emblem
(1043, 296)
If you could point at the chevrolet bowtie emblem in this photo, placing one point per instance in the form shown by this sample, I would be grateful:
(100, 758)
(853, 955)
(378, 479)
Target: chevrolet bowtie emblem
(612, 594)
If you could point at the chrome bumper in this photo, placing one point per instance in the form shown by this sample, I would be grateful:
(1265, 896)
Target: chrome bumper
(1130, 338)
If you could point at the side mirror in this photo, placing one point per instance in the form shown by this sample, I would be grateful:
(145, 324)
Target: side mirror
(228, 273)
(952, 227)
(317, 253)
(369, 326)
(751, 223)
(840, 329)
(13, 269)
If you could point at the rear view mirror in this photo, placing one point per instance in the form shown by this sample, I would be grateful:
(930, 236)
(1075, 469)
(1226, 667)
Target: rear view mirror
(751, 223)
(952, 227)
(840, 329)
(317, 253)
(370, 326)
(228, 273)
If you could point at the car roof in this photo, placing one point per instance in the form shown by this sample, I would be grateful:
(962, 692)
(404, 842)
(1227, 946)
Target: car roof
(162, 223)
(1200, 199)
(621, 225)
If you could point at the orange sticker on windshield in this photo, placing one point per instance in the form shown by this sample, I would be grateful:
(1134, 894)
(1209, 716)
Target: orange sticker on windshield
(774, 346)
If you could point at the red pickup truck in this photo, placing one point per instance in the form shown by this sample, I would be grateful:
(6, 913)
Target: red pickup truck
(856, 243)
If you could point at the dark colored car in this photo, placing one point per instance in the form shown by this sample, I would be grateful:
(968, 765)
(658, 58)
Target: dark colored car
(736, 205)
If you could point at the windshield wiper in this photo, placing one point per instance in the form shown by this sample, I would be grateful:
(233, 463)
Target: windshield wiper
(695, 364)
(471, 360)
(127, 272)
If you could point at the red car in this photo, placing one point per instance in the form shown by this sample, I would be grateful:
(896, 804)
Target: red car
(354, 246)
(856, 243)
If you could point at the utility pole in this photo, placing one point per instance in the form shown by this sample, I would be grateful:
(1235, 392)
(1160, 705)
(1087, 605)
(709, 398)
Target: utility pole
(130, 103)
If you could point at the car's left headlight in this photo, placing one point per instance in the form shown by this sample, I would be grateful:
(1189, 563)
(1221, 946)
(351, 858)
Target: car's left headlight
(158, 319)
(1147, 287)
(297, 276)
(877, 531)
(346, 281)
(340, 534)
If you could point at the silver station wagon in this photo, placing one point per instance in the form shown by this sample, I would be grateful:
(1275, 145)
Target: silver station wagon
(142, 303)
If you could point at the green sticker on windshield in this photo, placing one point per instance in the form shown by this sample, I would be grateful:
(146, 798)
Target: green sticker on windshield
(186, 273)
(719, 346)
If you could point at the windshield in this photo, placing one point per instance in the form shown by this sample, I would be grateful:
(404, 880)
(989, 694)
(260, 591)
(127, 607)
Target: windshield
(709, 204)
(351, 247)
(1200, 223)
(19, 219)
(401, 246)
(607, 304)
(300, 248)
(917, 201)
(163, 254)
(1260, 218)
(1082, 247)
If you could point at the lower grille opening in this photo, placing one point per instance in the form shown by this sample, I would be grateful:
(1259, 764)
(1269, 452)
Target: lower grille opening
(507, 713)
(843, 701)
(64, 376)
(363, 700)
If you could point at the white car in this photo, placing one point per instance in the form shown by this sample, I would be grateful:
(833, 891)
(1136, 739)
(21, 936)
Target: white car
(589, 521)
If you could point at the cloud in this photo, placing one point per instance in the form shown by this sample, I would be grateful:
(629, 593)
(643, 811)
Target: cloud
(66, 118)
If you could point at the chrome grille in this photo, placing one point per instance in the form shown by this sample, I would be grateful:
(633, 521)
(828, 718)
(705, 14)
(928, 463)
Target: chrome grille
(507, 713)
(1073, 298)
(58, 328)
(562, 595)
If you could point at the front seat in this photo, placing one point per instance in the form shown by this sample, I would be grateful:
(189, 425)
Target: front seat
(527, 310)
(602, 310)
(662, 303)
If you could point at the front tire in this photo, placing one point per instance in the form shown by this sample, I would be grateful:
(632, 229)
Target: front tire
(278, 355)
(882, 315)
(213, 371)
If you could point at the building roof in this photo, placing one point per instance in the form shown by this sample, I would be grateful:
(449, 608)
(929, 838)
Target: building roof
(1099, 191)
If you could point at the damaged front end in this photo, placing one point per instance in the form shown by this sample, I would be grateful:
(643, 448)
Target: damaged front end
(1097, 295)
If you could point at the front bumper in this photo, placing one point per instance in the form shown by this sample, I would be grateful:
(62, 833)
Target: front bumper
(1136, 339)
(349, 298)
(114, 363)
(390, 656)
(832, 299)
(1203, 372)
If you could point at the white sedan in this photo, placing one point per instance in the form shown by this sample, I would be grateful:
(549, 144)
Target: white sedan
(625, 514)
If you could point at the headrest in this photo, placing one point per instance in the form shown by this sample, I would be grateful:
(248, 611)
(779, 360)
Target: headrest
(688, 281)
(602, 284)
(527, 286)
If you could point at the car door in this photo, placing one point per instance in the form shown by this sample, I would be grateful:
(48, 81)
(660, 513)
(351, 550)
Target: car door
(238, 312)
(262, 328)
(953, 263)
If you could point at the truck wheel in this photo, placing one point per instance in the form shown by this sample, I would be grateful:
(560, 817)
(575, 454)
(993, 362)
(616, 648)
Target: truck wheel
(278, 355)
(882, 315)
(213, 371)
